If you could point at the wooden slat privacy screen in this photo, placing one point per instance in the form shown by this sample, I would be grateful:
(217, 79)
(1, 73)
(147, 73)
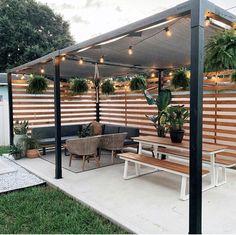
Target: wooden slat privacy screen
(129, 109)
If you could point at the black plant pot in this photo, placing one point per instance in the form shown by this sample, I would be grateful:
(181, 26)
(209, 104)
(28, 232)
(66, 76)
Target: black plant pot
(177, 136)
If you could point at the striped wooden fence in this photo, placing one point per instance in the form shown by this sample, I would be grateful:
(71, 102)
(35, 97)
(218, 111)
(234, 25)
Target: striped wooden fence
(129, 108)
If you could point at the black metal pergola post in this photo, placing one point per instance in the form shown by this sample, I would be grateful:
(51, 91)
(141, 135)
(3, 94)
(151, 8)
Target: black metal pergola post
(196, 97)
(97, 103)
(57, 104)
(10, 107)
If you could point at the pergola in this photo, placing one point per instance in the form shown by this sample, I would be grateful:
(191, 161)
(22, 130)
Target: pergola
(170, 39)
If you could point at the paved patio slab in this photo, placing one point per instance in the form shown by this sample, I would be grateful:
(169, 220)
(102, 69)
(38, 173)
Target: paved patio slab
(148, 204)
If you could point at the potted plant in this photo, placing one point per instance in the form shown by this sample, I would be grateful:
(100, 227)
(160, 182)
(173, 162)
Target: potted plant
(221, 52)
(31, 145)
(233, 77)
(16, 151)
(138, 83)
(20, 131)
(162, 102)
(79, 86)
(108, 87)
(37, 85)
(180, 79)
(177, 116)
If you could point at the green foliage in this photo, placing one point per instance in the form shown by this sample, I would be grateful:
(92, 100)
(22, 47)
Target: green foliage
(21, 127)
(44, 210)
(29, 30)
(79, 86)
(221, 52)
(16, 151)
(30, 142)
(4, 149)
(162, 102)
(233, 76)
(84, 131)
(177, 116)
(37, 85)
(138, 83)
(108, 87)
(180, 79)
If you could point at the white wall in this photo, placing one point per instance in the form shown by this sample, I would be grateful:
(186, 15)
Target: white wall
(4, 116)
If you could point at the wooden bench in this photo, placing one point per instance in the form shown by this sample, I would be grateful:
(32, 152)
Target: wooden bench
(164, 165)
(219, 162)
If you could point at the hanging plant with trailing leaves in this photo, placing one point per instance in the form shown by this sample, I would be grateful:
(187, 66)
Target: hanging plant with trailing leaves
(79, 86)
(180, 79)
(138, 83)
(37, 85)
(108, 87)
(221, 52)
(233, 77)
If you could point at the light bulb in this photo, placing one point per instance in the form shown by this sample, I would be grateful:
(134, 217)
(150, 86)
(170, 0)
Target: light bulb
(153, 74)
(63, 58)
(207, 21)
(42, 70)
(170, 73)
(168, 32)
(101, 59)
(22, 77)
(81, 61)
(130, 51)
(31, 75)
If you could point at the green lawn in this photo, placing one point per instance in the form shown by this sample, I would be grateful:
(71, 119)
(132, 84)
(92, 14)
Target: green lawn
(4, 149)
(46, 210)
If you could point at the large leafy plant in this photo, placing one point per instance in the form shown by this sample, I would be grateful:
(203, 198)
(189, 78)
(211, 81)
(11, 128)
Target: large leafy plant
(162, 102)
(37, 85)
(177, 116)
(21, 127)
(233, 77)
(221, 52)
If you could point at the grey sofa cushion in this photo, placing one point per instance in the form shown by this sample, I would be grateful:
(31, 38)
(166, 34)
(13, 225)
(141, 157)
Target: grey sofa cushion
(132, 132)
(70, 130)
(110, 129)
(44, 132)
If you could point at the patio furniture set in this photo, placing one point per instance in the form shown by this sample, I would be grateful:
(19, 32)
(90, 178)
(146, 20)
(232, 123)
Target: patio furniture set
(179, 151)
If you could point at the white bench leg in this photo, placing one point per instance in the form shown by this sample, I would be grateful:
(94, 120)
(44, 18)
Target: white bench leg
(224, 178)
(183, 195)
(126, 170)
(137, 169)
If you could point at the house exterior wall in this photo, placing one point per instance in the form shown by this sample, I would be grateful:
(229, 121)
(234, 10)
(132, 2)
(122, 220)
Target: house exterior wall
(4, 116)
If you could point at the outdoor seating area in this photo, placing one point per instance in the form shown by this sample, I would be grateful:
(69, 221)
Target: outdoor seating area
(135, 112)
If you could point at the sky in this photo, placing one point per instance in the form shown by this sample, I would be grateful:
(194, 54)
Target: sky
(90, 18)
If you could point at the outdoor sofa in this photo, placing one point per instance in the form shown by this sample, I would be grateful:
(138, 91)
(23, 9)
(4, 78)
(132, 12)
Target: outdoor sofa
(46, 135)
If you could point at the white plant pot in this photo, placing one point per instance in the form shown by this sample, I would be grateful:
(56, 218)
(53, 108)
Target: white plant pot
(18, 139)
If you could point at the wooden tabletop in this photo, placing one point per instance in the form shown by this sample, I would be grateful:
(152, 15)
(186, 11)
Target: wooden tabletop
(208, 148)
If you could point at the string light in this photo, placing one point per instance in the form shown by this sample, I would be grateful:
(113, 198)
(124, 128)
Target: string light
(31, 75)
(63, 58)
(207, 21)
(81, 61)
(153, 74)
(102, 59)
(170, 73)
(42, 70)
(168, 32)
(130, 51)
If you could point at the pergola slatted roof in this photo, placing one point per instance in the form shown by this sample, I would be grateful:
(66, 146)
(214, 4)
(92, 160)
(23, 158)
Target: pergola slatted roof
(152, 48)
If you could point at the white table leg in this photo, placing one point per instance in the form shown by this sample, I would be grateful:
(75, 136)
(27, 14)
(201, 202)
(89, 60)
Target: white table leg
(140, 148)
(156, 154)
(213, 170)
(137, 166)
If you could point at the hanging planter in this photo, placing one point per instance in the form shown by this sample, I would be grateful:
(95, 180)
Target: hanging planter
(221, 52)
(37, 85)
(79, 86)
(138, 83)
(180, 79)
(108, 87)
(233, 77)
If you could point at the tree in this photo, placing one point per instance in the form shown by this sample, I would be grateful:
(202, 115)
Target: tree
(29, 30)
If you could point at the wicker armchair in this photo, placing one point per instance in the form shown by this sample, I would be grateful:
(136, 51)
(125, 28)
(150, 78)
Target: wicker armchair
(113, 142)
(85, 147)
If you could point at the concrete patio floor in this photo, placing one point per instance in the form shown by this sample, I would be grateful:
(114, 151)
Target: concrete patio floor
(148, 204)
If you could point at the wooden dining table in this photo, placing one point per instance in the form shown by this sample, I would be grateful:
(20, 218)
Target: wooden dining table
(208, 149)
